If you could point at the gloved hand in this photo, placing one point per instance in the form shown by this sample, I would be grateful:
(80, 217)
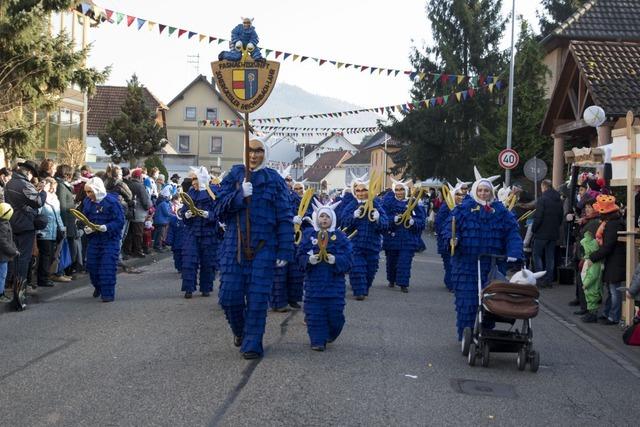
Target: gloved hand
(239, 45)
(569, 217)
(314, 259)
(280, 263)
(297, 220)
(247, 189)
(223, 226)
(188, 214)
(205, 214)
(396, 219)
(102, 228)
(411, 221)
(250, 47)
(331, 259)
(511, 259)
(356, 213)
(375, 215)
(88, 230)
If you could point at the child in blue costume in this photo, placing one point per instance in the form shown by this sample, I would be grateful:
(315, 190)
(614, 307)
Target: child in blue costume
(324, 284)
(103, 246)
(162, 218)
(401, 243)
(175, 239)
(483, 226)
(295, 271)
(247, 265)
(367, 241)
(200, 246)
(243, 36)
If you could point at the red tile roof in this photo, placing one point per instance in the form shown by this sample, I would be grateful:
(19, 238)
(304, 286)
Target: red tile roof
(325, 164)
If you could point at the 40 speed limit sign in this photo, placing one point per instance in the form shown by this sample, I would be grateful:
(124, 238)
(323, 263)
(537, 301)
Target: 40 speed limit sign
(508, 159)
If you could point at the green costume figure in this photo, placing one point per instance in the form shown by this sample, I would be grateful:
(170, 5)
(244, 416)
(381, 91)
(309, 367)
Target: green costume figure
(591, 273)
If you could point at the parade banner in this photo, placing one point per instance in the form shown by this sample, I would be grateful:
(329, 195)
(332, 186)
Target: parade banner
(245, 85)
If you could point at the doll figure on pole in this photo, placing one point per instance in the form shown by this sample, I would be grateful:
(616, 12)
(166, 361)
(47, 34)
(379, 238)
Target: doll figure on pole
(244, 42)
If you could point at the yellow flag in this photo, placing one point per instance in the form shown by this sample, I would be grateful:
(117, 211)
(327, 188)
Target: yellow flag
(422, 75)
(491, 88)
(460, 79)
(202, 37)
(340, 64)
(458, 96)
(151, 25)
(295, 57)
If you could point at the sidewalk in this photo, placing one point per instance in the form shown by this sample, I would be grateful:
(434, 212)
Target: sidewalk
(556, 300)
(40, 295)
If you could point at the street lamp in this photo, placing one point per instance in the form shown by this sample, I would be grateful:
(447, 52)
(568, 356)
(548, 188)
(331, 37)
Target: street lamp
(507, 174)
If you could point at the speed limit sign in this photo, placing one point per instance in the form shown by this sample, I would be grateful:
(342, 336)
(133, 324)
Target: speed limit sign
(508, 159)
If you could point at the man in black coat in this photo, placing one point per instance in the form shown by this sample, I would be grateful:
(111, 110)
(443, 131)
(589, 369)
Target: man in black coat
(546, 228)
(25, 199)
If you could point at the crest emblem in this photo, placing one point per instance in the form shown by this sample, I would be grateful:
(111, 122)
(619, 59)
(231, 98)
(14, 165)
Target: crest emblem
(245, 85)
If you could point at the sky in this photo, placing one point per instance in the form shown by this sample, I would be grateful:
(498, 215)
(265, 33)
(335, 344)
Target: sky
(376, 33)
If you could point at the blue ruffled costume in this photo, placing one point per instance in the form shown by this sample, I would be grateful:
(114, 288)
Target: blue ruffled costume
(103, 248)
(324, 287)
(175, 239)
(400, 243)
(200, 244)
(246, 36)
(366, 246)
(245, 284)
(479, 230)
(444, 248)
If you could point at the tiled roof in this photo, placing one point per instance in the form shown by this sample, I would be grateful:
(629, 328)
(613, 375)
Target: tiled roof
(325, 164)
(362, 158)
(107, 103)
(378, 141)
(614, 20)
(612, 73)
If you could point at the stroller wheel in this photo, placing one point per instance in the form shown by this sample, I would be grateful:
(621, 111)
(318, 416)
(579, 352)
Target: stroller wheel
(521, 361)
(471, 358)
(466, 341)
(534, 362)
(485, 355)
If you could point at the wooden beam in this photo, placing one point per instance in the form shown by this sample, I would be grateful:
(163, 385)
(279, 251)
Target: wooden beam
(574, 103)
(628, 308)
(570, 126)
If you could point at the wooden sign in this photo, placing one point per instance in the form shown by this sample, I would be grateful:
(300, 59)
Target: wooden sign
(245, 85)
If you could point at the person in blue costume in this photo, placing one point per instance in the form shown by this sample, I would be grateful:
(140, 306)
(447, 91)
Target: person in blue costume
(247, 264)
(201, 241)
(399, 242)
(243, 36)
(368, 240)
(295, 270)
(175, 239)
(327, 254)
(345, 199)
(103, 245)
(483, 226)
(459, 192)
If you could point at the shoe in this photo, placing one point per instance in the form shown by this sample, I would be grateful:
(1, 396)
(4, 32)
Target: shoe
(589, 318)
(96, 293)
(580, 312)
(281, 309)
(237, 341)
(574, 303)
(107, 300)
(188, 295)
(4, 298)
(206, 294)
(295, 305)
(607, 322)
(318, 347)
(250, 355)
(60, 279)
(138, 255)
(404, 289)
(391, 285)
(360, 298)
(47, 284)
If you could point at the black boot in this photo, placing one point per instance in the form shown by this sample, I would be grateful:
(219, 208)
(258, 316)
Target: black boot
(391, 285)
(237, 341)
(188, 295)
(318, 347)
(250, 355)
(589, 318)
(404, 289)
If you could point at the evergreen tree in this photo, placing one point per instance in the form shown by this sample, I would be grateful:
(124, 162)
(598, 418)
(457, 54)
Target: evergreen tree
(555, 12)
(134, 133)
(155, 162)
(529, 106)
(35, 69)
(443, 140)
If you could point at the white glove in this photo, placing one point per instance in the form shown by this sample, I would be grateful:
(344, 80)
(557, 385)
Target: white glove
(247, 189)
(356, 213)
(239, 45)
(205, 214)
(376, 215)
(297, 220)
(396, 219)
(88, 230)
(331, 259)
(411, 221)
(250, 47)
(511, 259)
(223, 226)
(314, 259)
(569, 217)
(280, 263)
(188, 214)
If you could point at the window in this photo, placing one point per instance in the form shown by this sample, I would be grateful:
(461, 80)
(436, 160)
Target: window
(212, 114)
(215, 145)
(184, 143)
(190, 113)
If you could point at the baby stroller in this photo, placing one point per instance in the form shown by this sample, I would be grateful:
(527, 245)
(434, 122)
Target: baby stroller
(504, 302)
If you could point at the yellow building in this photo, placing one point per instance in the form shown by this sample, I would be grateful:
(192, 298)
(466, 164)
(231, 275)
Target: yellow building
(195, 143)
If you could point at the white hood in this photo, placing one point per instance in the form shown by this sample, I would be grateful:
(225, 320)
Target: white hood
(328, 209)
(97, 186)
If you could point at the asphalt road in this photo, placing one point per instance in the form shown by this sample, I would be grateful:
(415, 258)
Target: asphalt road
(154, 358)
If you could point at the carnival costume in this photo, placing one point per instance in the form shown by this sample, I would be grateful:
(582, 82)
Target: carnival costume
(202, 238)
(247, 266)
(481, 227)
(326, 253)
(175, 239)
(103, 242)
(242, 38)
(403, 238)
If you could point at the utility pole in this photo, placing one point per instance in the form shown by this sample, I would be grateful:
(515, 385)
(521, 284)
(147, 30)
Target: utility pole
(386, 139)
(507, 174)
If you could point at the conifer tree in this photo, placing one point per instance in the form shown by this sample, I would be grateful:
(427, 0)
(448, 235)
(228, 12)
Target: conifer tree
(555, 12)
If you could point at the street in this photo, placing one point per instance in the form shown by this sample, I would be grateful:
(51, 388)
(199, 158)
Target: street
(154, 358)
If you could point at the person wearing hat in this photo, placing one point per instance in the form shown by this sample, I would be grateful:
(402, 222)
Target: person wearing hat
(104, 210)
(8, 249)
(613, 254)
(26, 200)
(258, 238)
(142, 203)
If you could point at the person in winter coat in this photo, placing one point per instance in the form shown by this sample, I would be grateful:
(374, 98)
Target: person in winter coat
(133, 242)
(368, 239)
(547, 220)
(588, 222)
(482, 226)
(326, 253)
(613, 254)
(8, 249)
(48, 237)
(64, 191)
(248, 257)
(162, 218)
(104, 210)
(591, 277)
(400, 242)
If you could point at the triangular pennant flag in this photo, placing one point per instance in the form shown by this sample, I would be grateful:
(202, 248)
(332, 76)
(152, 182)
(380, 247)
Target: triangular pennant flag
(413, 75)
(436, 77)
(432, 101)
(389, 72)
(172, 30)
(445, 98)
(304, 58)
(425, 104)
(444, 79)
(490, 87)
(85, 8)
(471, 92)
(191, 34)
(140, 22)
(322, 61)
(372, 70)
(286, 55)
(458, 96)
(161, 27)
(267, 52)
(347, 65)
(439, 100)
(278, 53)
(489, 79)
(181, 32)
(465, 95)
(295, 57)
(460, 79)
(109, 13)
(380, 71)
(499, 84)
(396, 72)
(410, 107)
(220, 41)
(130, 20)
(151, 25)
(452, 78)
(407, 73)
(421, 75)
(211, 38)
(119, 17)
(474, 80)
(315, 59)
(364, 67)
(201, 37)
(340, 64)
(481, 80)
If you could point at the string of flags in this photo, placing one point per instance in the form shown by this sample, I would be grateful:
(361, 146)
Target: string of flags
(99, 14)
(238, 123)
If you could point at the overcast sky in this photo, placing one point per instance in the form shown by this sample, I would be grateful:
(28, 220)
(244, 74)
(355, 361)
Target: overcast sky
(376, 33)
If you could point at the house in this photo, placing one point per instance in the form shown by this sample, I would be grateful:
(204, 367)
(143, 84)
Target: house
(357, 165)
(217, 143)
(333, 142)
(105, 105)
(381, 148)
(328, 172)
(594, 59)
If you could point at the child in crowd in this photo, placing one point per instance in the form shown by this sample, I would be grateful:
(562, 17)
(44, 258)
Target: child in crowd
(8, 249)
(162, 218)
(147, 235)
